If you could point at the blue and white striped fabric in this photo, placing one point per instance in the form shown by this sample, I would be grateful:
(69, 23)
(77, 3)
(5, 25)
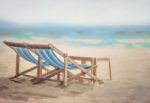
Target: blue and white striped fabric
(24, 53)
(49, 56)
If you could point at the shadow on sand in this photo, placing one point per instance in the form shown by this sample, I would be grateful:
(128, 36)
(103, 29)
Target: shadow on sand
(25, 90)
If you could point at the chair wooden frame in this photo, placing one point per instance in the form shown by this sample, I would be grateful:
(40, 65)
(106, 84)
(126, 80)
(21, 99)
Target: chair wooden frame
(109, 64)
(68, 76)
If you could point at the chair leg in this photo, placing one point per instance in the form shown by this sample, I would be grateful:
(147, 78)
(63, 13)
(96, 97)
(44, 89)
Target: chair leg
(17, 67)
(58, 76)
(39, 71)
(110, 71)
(17, 64)
(18, 73)
(94, 69)
(65, 70)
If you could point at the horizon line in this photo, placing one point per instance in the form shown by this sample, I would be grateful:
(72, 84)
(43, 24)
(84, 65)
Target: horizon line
(73, 24)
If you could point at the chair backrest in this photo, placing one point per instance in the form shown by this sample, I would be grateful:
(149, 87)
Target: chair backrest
(25, 53)
(49, 56)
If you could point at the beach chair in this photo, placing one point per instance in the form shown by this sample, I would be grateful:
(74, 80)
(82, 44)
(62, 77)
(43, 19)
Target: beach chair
(47, 58)
(22, 51)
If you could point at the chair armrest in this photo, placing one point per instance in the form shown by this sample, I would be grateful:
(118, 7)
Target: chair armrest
(103, 59)
(82, 59)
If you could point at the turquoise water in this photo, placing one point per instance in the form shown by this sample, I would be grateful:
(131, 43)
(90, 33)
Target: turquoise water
(98, 36)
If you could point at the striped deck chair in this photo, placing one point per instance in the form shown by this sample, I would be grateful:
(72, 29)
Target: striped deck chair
(25, 53)
(47, 57)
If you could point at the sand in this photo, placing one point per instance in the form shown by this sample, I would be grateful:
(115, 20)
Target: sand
(130, 79)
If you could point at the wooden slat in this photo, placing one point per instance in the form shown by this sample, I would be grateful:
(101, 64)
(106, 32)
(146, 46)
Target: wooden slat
(49, 72)
(53, 74)
(106, 59)
(26, 71)
(94, 69)
(65, 70)
(32, 46)
(17, 64)
(75, 76)
(95, 63)
(103, 59)
(83, 62)
(39, 69)
(81, 58)
(110, 71)
(47, 77)
(46, 69)
(58, 76)
(84, 70)
(31, 76)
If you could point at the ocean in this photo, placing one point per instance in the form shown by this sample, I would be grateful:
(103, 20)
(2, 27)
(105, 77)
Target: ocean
(95, 36)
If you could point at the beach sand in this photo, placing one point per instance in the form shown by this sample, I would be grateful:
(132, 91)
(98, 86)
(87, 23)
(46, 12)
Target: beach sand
(130, 79)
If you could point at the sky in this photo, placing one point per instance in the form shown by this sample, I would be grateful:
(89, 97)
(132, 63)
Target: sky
(81, 12)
